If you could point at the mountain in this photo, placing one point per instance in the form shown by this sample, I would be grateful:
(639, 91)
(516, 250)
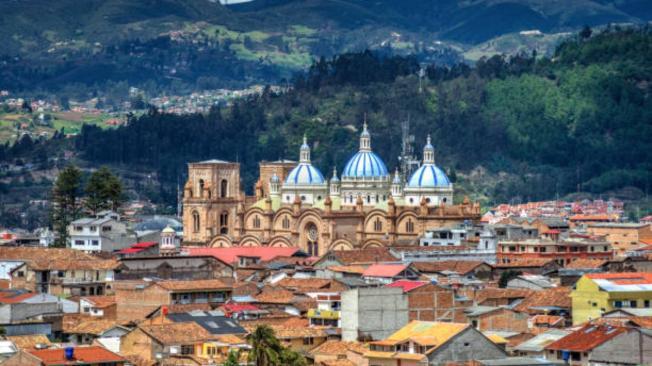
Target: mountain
(85, 48)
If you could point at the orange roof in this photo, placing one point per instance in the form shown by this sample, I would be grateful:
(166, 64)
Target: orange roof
(598, 217)
(625, 278)
(183, 285)
(501, 293)
(100, 301)
(461, 267)
(335, 347)
(384, 270)
(586, 338)
(585, 263)
(348, 269)
(370, 255)
(557, 296)
(92, 355)
(230, 255)
(525, 262)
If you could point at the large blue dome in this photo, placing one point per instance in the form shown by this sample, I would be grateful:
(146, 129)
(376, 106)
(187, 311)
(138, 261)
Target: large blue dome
(365, 164)
(305, 173)
(429, 176)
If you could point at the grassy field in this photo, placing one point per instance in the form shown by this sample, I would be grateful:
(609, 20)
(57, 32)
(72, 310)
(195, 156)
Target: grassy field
(13, 125)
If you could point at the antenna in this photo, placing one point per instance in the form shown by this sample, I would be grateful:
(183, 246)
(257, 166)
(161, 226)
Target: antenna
(407, 160)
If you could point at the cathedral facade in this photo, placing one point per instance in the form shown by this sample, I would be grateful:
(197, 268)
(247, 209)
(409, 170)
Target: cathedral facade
(296, 206)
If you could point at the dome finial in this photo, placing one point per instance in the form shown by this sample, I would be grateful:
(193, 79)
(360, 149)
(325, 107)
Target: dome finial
(365, 137)
(304, 153)
(397, 177)
(428, 152)
(334, 172)
(305, 139)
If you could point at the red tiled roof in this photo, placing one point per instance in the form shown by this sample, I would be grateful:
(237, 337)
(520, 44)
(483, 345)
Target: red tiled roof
(586, 338)
(557, 296)
(129, 250)
(384, 270)
(625, 278)
(369, 255)
(407, 285)
(145, 244)
(230, 255)
(234, 308)
(585, 263)
(92, 354)
(13, 297)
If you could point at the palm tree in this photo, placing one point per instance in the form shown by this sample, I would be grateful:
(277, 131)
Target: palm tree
(265, 347)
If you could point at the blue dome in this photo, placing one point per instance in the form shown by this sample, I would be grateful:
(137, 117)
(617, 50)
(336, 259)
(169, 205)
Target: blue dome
(365, 164)
(305, 173)
(429, 176)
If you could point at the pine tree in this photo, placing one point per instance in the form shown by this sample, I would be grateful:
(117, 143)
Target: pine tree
(65, 196)
(103, 191)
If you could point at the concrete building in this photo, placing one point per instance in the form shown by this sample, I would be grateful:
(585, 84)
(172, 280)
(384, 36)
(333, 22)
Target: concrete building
(105, 233)
(633, 347)
(373, 313)
(622, 236)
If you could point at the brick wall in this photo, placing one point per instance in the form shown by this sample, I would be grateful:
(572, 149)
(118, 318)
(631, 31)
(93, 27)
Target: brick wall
(432, 302)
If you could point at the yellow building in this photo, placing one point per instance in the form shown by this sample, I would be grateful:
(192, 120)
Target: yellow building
(598, 293)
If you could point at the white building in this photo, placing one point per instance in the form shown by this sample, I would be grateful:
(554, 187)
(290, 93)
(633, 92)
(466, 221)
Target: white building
(102, 234)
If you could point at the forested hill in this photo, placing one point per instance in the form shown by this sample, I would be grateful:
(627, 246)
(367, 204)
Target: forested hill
(535, 127)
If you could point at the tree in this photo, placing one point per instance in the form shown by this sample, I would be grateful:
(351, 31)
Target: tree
(103, 191)
(233, 359)
(507, 276)
(291, 358)
(265, 347)
(586, 32)
(65, 196)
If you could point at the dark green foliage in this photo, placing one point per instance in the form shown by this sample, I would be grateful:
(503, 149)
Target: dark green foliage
(507, 276)
(65, 197)
(103, 191)
(266, 350)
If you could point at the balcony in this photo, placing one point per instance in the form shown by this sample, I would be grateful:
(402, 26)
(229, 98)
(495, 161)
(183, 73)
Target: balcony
(323, 314)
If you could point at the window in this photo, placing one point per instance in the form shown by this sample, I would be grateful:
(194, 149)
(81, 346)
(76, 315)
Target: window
(308, 341)
(409, 226)
(285, 223)
(211, 350)
(187, 350)
(22, 274)
(256, 222)
(79, 242)
(633, 304)
(95, 242)
(303, 198)
(318, 198)
(78, 228)
(201, 188)
(224, 188)
(646, 303)
(224, 219)
(378, 225)
(195, 222)
(618, 304)
(106, 228)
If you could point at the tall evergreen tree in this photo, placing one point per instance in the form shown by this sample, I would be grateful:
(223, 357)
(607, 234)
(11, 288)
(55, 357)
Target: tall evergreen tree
(103, 191)
(65, 197)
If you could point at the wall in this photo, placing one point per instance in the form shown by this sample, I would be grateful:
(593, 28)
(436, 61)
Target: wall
(137, 343)
(469, 345)
(503, 320)
(181, 268)
(136, 303)
(632, 347)
(432, 302)
(375, 312)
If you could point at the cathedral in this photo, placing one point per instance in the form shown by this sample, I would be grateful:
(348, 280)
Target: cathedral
(296, 206)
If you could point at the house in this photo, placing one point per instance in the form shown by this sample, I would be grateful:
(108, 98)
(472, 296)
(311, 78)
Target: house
(467, 269)
(187, 267)
(389, 272)
(493, 296)
(98, 306)
(327, 312)
(531, 282)
(214, 322)
(562, 250)
(432, 302)
(104, 233)
(598, 293)
(577, 347)
(542, 266)
(622, 236)
(497, 318)
(633, 347)
(355, 256)
(152, 342)
(535, 347)
(373, 313)
(145, 248)
(334, 350)
(432, 343)
(242, 311)
(301, 339)
(245, 256)
(136, 299)
(554, 300)
(59, 271)
(23, 313)
(576, 269)
(78, 356)
(84, 329)
(32, 341)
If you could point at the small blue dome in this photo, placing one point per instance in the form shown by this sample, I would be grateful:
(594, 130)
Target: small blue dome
(429, 176)
(365, 164)
(305, 173)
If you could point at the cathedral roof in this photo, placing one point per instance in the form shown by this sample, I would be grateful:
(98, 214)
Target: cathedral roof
(303, 174)
(428, 176)
(365, 163)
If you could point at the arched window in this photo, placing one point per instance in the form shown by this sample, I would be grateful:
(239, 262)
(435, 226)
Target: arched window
(444, 200)
(256, 222)
(409, 226)
(224, 223)
(224, 188)
(201, 188)
(312, 237)
(378, 225)
(368, 199)
(286, 223)
(427, 200)
(195, 222)
(376, 198)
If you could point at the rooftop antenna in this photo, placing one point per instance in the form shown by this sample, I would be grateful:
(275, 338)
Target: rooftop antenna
(407, 160)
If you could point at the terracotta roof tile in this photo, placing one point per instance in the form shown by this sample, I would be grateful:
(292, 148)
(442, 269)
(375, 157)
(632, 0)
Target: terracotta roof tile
(285, 320)
(337, 348)
(56, 258)
(230, 255)
(91, 355)
(529, 262)
(337, 362)
(311, 284)
(371, 255)
(177, 333)
(29, 341)
(384, 270)
(85, 324)
(355, 269)
(461, 267)
(179, 285)
(271, 295)
(586, 338)
(284, 332)
(501, 293)
(585, 263)
(557, 296)
(407, 285)
(100, 301)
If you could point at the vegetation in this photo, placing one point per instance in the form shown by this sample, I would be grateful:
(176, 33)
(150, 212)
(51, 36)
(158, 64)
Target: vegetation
(267, 350)
(65, 197)
(103, 191)
(507, 276)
